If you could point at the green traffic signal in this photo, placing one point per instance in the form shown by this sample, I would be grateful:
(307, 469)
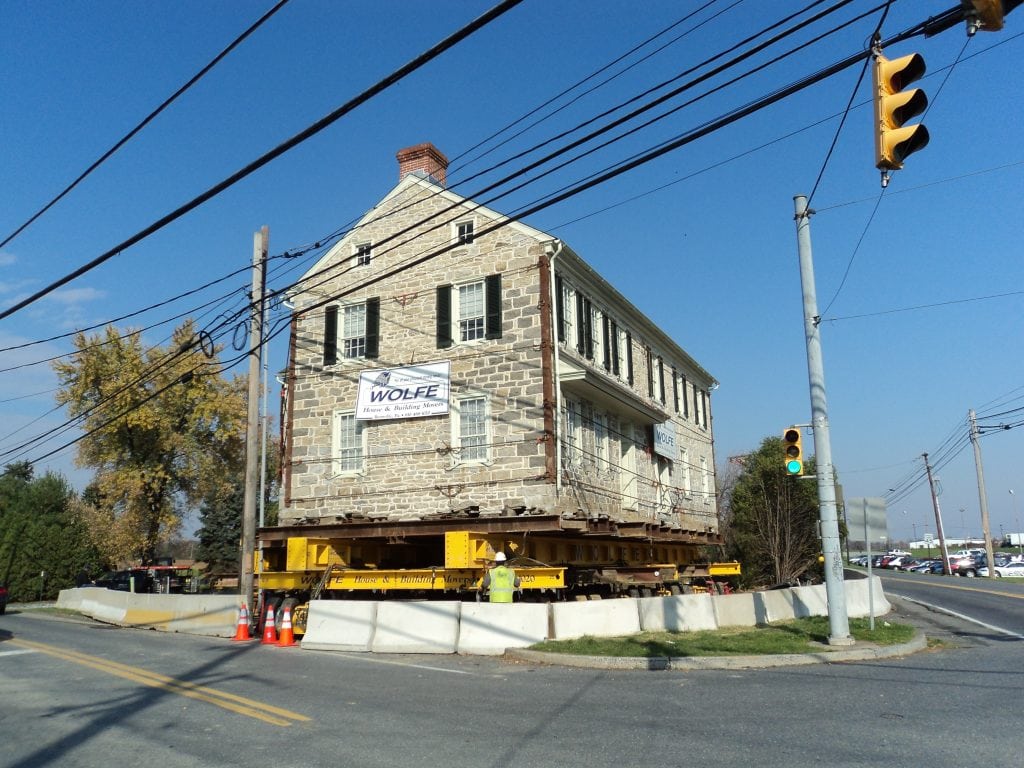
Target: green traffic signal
(794, 451)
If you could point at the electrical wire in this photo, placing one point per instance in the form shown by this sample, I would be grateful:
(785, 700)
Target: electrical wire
(382, 85)
(148, 119)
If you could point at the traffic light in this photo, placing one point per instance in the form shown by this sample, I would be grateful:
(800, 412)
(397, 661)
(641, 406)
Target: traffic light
(894, 142)
(793, 451)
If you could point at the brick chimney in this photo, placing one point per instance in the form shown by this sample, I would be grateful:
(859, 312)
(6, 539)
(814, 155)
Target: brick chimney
(423, 157)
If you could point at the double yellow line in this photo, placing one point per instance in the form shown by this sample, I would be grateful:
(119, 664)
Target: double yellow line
(239, 704)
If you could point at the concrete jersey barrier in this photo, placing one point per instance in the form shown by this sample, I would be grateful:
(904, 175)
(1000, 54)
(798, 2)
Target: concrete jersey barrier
(475, 628)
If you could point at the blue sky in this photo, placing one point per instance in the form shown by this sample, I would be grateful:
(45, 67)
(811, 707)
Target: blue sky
(702, 239)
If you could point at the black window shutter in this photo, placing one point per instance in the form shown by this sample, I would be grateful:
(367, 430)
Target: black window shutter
(650, 371)
(581, 327)
(560, 308)
(330, 335)
(373, 327)
(444, 316)
(686, 402)
(615, 348)
(704, 408)
(675, 391)
(588, 341)
(629, 358)
(661, 380)
(607, 349)
(492, 300)
(696, 406)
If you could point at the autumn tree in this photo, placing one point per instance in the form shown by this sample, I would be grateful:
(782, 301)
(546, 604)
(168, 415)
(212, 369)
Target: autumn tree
(771, 518)
(162, 430)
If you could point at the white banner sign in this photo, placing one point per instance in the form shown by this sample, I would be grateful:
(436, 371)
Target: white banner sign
(665, 440)
(404, 393)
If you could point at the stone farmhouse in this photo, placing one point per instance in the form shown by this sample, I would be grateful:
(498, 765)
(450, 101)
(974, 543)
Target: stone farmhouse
(448, 361)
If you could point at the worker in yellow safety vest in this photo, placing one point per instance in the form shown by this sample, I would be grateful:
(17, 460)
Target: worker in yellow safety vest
(500, 581)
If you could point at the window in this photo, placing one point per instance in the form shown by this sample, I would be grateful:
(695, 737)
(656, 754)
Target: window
(704, 408)
(566, 320)
(464, 232)
(686, 402)
(353, 332)
(665, 489)
(627, 466)
(629, 358)
(661, 381)
(606, 342)
(573, 449)
(705, 480)
(359, 331)
(675, 391)
(472, 437)
(585, 315)
(349, 444)
(471, 311)
(601, 440)
(363, 254)
(684, 469)
(476, 314)
(649, 361)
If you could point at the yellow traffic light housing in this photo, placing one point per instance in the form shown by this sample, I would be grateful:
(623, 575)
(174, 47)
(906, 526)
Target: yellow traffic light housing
(793, 451)
(894, 141)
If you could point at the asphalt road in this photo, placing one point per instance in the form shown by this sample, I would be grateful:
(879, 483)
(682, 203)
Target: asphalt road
(997, 604)
(76, 693)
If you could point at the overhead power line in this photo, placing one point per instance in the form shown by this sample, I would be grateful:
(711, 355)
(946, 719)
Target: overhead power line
(279, 150)
(146, 121)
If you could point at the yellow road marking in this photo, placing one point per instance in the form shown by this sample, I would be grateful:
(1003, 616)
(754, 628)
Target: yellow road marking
(965, 589)
(239, 704)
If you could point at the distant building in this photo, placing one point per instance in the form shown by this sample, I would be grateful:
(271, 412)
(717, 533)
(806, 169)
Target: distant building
(439, 367)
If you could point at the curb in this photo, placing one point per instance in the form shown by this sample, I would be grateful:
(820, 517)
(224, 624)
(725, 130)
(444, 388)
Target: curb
(658, 663)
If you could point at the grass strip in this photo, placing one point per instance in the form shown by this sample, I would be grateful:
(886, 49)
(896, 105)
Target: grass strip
(799, 636)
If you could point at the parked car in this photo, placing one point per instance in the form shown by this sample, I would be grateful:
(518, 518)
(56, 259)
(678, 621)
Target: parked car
(3, 599)
(968, 566)
(1010, 570)
(132, 579)
(904, 563)
(929, 566)
(861, 560)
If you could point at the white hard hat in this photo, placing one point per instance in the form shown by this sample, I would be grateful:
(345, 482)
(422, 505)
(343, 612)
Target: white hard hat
(499, 557)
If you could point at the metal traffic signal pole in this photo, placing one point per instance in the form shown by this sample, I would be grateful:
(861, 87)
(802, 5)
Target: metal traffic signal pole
(835, 589)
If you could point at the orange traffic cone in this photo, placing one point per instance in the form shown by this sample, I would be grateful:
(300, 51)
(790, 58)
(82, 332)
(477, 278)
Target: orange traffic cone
(287, 636)
(269, 633)
(242, 631)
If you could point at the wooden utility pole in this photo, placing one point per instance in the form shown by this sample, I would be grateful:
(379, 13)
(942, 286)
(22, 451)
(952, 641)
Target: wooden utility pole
(261, 241)
(982, 496)
(938, 518)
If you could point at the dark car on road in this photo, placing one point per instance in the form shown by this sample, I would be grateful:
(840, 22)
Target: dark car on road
(130, 580)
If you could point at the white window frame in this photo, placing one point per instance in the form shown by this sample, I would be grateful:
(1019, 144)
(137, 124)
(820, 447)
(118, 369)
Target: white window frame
(458, 319)
(459, 455)
(458, 231)
(684, 463)
(601, 459)
(623, 354)
(363, 254)
(345, 466)
(573, 421)
(568, 314)
(665, 477)
(630, 471)
(705, 479)
(349, 339)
